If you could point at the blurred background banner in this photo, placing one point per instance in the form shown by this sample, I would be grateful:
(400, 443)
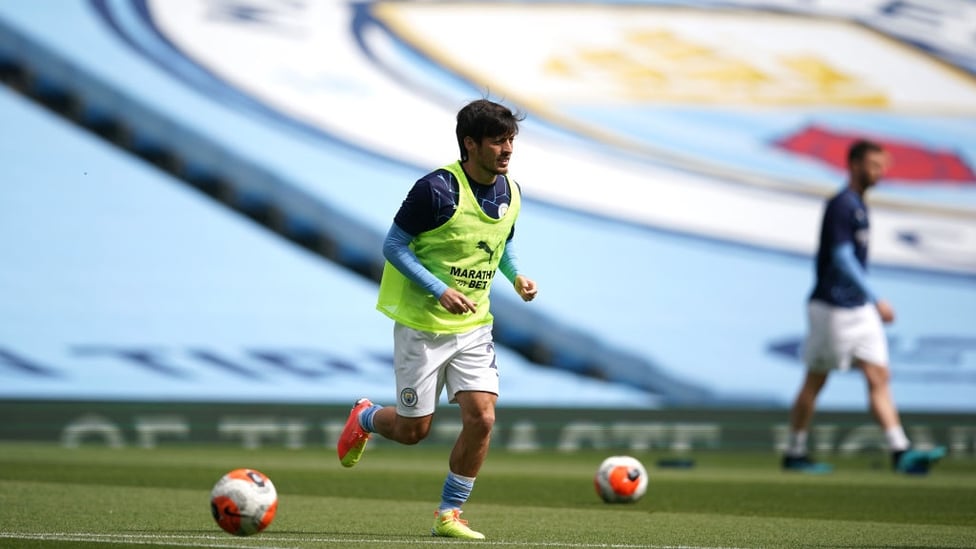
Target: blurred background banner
(674, 164)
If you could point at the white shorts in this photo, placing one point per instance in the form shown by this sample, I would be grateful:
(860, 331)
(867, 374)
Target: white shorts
(838, 336)
(425, 362)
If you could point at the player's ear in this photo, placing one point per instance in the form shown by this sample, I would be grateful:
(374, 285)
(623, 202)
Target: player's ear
(467, 145)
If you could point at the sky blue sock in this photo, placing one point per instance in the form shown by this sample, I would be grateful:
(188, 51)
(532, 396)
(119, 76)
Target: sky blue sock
(456, 491)
(366, 417)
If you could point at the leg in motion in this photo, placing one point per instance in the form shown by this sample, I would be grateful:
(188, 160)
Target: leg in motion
(467, 457)
(366, 418)
(352, 441)
(797, 456)
(904, 458)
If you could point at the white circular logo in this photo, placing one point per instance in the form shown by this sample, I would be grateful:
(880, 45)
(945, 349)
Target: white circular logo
(408, 397)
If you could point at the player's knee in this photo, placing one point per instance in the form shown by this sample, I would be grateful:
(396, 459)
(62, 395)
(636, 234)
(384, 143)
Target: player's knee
(481, 422)
(411, 438)
(813, 383)
(884, 376)
(876, 375)
(412, 432)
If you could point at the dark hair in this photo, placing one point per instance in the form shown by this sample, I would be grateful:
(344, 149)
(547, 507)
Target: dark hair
(860, 148)
(483, 118)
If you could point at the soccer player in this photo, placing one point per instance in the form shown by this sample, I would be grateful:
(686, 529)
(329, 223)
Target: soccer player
(452, 233)
(845, 318)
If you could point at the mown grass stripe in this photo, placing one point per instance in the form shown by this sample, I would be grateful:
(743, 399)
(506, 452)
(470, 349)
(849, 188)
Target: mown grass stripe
(259, 541)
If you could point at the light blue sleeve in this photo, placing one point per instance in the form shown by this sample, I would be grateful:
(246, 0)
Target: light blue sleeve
(846, 261)
(509, 263)
(396, 250)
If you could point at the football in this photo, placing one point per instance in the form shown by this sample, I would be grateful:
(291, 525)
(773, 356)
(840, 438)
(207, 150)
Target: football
(620, 479)
(244, 502)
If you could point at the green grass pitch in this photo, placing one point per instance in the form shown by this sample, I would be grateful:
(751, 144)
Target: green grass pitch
(99, 497)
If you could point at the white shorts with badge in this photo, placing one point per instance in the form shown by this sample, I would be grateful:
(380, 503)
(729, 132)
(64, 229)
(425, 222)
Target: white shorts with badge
(425, 362)
(839, 336)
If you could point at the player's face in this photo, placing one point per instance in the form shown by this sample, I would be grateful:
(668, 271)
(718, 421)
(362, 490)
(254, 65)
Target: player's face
(491, 157)
(870, 169)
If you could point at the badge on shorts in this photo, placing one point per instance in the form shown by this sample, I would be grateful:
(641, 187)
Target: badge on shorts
(408, 397)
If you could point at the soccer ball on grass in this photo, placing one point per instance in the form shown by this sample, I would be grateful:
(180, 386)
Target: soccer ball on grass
(620, 479)
(244, 502)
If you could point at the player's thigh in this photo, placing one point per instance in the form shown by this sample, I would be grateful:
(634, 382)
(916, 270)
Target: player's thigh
(876, 375)
(417, 360)
(822, 351)
(871, 353)
(474, 367)
(870, 344)
(477, 405)
(840, 337)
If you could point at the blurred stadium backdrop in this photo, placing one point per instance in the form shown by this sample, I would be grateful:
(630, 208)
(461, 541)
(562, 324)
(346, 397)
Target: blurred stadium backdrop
(195, 194)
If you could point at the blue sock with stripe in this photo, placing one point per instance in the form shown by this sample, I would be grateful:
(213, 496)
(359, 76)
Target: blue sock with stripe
(457, 488)
(366, 417)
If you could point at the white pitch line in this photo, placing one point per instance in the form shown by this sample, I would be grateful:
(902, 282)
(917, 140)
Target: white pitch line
(212, 541)
(131, 540)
